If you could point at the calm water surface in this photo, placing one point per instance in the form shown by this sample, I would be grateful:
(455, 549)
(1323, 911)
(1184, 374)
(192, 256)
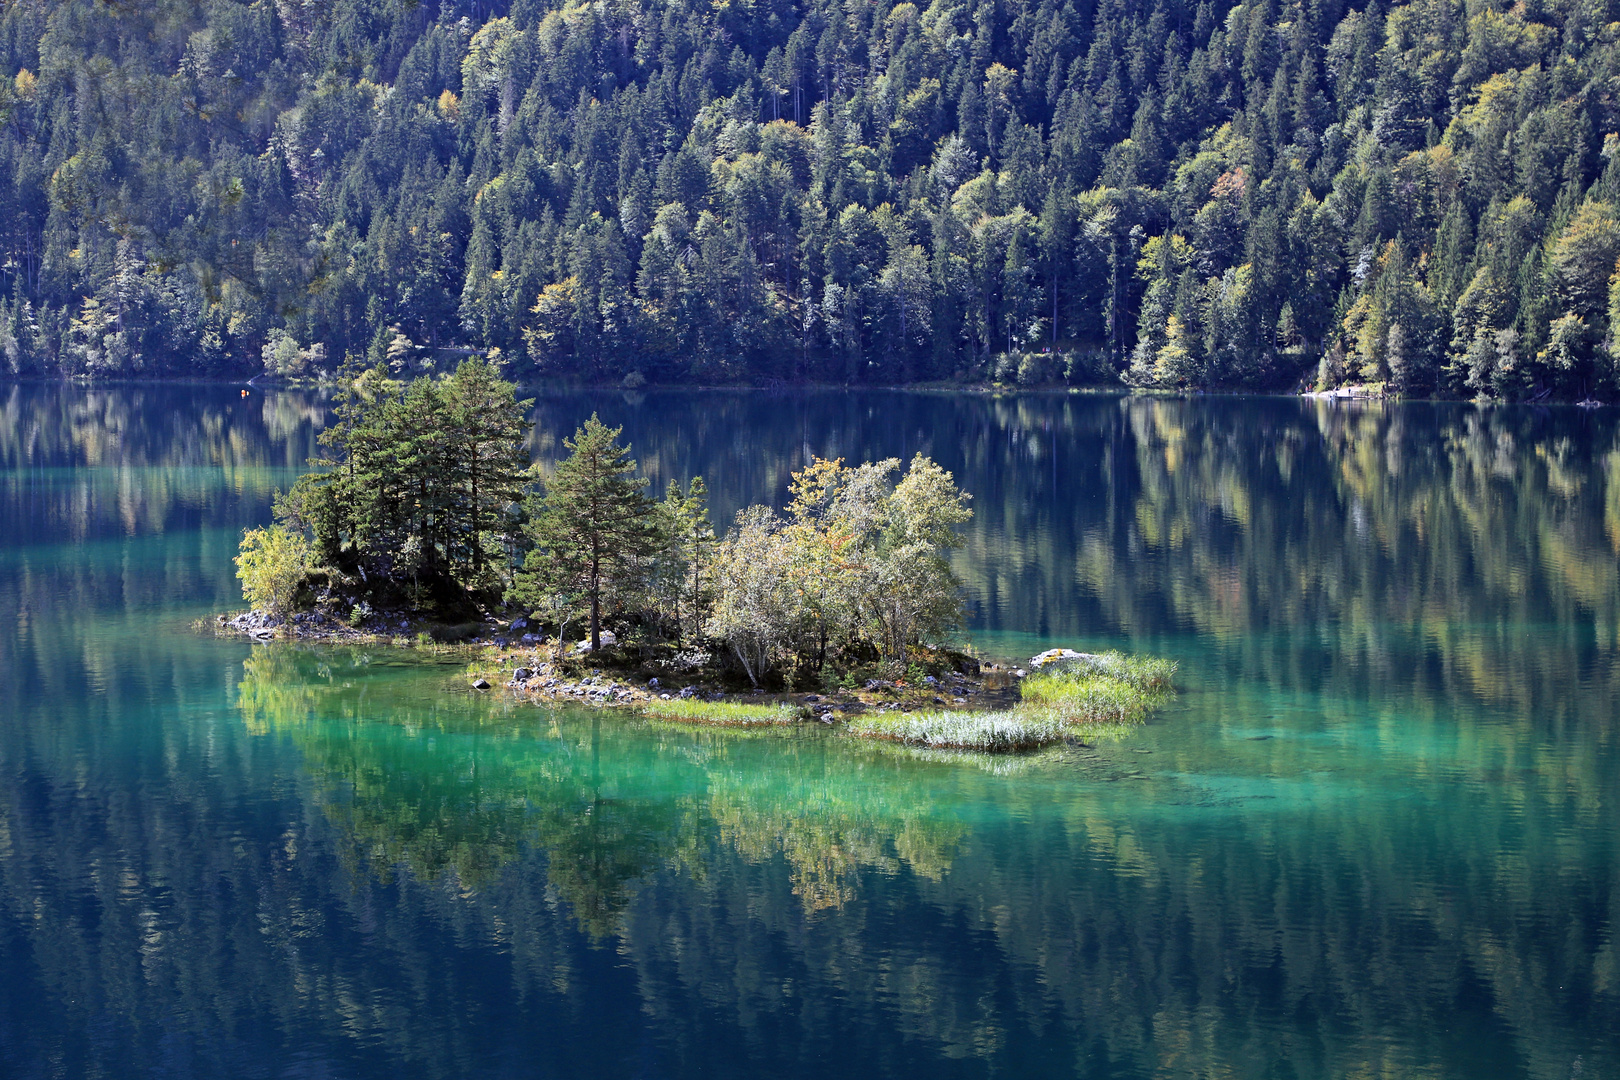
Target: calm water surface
(1375, 835)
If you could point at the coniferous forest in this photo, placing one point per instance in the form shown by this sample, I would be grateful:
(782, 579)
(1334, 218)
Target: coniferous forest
(1265, 194)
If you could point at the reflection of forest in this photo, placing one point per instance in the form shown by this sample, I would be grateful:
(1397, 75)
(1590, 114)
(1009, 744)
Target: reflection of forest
(79, 462)
(704, 853)
(1418, 875)
(1352, 547)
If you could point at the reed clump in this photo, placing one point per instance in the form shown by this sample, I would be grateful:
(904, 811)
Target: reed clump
(1003, 731)
(1106, 688)
(1093, 694)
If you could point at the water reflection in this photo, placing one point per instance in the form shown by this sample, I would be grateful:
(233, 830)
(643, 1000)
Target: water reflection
(1280, 528)
(1373, 835)
(1325, 892)
(80, 463)
(445, 784)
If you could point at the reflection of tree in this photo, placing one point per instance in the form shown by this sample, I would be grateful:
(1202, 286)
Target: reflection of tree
(442, 787)
(1419, 877)
(833, 812)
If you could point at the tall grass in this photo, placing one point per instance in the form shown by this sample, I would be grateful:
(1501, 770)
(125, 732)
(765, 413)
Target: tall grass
(1004, 730)
(1107, 689)
(724, 713)
(1142, 672)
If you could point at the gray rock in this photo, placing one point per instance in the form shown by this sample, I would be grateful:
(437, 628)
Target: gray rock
(522, 674)
(608, 638)
(480, 684)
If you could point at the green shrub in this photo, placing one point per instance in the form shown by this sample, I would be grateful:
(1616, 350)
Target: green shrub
(272, 565)
(1035, 369)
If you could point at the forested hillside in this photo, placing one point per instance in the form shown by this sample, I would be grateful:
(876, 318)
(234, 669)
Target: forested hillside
(1182, 193)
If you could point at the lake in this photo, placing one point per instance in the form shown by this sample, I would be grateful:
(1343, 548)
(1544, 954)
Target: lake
(1374, 835)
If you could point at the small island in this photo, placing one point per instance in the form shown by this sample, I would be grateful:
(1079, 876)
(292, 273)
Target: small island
(427, 525)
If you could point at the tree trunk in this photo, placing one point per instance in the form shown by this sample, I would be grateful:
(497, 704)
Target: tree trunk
(742, 654)
(596, 599)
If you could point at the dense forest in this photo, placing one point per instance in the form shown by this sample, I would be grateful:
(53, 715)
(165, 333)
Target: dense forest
(1184, 194)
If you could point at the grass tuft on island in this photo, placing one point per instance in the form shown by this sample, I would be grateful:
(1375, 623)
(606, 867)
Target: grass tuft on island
(1096, 696)
(722, 713)
(1101, 688)
(1001, 731)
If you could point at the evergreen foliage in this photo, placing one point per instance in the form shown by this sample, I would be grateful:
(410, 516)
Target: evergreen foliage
(421, 484)
(593, 530)
(1192, 192)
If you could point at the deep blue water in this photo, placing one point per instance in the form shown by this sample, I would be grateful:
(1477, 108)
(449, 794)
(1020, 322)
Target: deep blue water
(1375, 833)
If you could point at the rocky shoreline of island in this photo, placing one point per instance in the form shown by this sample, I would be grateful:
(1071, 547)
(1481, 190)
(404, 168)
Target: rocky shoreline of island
(947, 699)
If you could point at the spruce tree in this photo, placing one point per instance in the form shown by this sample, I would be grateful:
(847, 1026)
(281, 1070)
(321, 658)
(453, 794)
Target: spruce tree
(592, 524)
(487, 463)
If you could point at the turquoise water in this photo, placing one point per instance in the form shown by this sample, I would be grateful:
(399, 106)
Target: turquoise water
(1375, 834)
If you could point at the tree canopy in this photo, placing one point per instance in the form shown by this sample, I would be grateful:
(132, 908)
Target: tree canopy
(422, 482)
(1183, 192)
(592, 528)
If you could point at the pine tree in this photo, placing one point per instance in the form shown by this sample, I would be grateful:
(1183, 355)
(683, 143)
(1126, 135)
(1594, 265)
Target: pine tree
(419, 484)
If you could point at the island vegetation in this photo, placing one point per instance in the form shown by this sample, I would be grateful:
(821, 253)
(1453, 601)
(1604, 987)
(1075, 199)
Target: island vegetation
(425, 515)
(1418, 194)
